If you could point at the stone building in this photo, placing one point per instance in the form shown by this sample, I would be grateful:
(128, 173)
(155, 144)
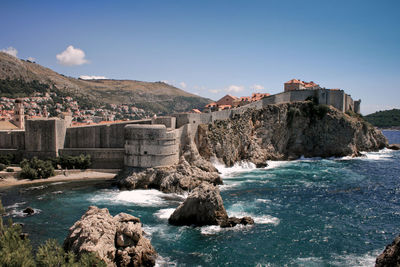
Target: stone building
(295, 84)
(19, 114)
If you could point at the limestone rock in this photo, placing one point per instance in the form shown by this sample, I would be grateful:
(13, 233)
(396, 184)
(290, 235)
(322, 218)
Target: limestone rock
(391, 255)
(191, 171)
(29, 211)
(287, 131)
(118, 240)
(233, 221)
(203, 206)
(394, 146)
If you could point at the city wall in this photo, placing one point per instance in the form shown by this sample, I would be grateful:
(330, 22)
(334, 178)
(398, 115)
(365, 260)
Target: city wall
(144, 143)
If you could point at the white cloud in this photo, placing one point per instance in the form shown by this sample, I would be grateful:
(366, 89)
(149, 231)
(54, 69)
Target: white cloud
(72, 57)
(234, 88)
(183, 85)
(11, 51)
(229, 89)
(92, 77)
(31, 59)
(214, 91)
(258, 87)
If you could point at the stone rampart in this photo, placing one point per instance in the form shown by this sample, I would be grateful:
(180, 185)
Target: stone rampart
(44, 137)
(14, 139)
(99, 136)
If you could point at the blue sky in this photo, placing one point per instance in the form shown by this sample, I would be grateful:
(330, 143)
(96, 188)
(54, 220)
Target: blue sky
(214, 47)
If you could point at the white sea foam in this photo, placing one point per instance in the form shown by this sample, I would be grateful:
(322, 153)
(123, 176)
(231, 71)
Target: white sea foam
(263, 200)
(214, 229)
(384, 154)
(367, 259)
(57, 183)
(21, 213)
(15, 205)
(40, 187)
(165, 261)
(238, 167)
(57, 192)
(144, 198)
(258, 219)
(272, 164)
(164, 213)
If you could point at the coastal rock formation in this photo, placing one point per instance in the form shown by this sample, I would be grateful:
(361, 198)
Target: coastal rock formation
(204, 206)
(185, 176)
(394, 146)
(288, 131)
(29, 211)
(117, 240)
(391, 255)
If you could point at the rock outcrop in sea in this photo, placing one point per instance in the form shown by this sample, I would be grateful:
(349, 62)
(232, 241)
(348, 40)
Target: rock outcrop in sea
(391, 255)
(117, 240)
(288, 131)
(204, 206)
(191, 171)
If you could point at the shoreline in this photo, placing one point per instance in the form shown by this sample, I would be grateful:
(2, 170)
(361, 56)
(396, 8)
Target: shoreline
(86, 175)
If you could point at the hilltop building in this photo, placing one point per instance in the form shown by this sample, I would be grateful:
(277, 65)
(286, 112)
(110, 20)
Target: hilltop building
(230, 101)
(295, 84)
(294, 90)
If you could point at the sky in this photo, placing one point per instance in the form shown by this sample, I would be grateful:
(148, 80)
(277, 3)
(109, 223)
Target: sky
(212, 48)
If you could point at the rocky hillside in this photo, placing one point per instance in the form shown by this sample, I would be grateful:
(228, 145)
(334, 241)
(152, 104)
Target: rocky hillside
(155, 96)
(288, 131)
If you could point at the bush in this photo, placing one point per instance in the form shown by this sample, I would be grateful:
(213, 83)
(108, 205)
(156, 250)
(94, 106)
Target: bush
(7, 159)
(9, 170)
(315, 111)
(14, 251)
(75, 162)
(2, 166)
(36, 169)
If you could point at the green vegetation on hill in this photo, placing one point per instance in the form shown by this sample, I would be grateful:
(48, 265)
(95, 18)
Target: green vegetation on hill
(386, 118)
(20, 88)
(155, 97)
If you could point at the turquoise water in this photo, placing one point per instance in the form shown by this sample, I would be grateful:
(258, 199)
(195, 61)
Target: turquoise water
(310, 212)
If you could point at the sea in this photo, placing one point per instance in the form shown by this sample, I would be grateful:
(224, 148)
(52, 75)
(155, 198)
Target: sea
(307, 212)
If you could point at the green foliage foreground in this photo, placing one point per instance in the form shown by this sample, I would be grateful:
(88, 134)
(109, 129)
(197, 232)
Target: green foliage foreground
(16, 250)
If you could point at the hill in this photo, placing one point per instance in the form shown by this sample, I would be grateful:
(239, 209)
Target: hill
(386, 118)
(158, 97)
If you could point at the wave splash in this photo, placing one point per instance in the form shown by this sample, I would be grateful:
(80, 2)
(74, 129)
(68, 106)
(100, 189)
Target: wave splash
(140, 197)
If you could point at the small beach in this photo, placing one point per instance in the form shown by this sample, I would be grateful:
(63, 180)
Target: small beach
(74, 175)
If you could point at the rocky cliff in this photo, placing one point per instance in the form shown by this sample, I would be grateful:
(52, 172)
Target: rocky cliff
(288, 131)
(117, 240)
(191, 171)
(390, 256)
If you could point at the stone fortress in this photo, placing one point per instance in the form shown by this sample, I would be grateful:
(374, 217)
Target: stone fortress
(144, 143)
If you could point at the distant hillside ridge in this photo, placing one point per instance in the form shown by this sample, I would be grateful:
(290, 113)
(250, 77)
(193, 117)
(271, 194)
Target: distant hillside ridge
(385, 118)
(157, 97)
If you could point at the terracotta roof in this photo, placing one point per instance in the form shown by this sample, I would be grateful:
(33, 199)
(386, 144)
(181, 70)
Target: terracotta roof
(7, 125)
(224, 106)
(213, 104)
(195, 110)
(294, 81)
